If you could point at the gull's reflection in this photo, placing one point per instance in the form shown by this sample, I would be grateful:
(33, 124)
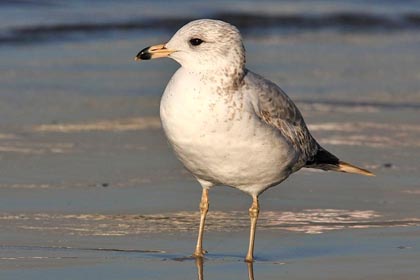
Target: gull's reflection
(199, 263)
(250, 270)
(200, 270)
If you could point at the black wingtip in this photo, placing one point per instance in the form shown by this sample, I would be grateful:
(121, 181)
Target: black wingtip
(322, 157)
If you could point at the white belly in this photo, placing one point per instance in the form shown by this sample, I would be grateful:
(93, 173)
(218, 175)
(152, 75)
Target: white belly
(220, 139)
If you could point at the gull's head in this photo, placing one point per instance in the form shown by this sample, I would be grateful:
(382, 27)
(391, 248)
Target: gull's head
(203, 44)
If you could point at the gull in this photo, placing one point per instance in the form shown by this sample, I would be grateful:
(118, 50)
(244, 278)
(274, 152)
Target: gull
(228, 125)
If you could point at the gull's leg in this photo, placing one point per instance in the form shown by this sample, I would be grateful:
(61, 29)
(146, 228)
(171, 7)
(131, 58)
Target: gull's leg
(253, 214)
(204, 208)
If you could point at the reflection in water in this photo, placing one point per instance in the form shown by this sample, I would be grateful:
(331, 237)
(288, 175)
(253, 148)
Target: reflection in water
(199, 262)
(250, 270)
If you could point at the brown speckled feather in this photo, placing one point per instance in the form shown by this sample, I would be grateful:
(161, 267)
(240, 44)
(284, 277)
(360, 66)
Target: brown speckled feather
(276, 109)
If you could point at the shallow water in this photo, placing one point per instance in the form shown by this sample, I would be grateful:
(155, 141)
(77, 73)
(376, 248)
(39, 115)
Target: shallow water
(90, 189)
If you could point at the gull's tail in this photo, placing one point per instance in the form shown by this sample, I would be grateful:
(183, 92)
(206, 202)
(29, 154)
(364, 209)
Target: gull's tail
(349, 168)
(326, 161)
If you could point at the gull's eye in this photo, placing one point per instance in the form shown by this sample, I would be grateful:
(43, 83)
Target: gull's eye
(196, 41)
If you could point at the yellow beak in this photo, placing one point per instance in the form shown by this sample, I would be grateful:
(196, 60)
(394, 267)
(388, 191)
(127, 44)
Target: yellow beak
(152, 52)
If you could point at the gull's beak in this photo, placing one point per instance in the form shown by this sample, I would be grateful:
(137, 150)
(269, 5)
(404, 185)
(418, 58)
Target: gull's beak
(152, 52)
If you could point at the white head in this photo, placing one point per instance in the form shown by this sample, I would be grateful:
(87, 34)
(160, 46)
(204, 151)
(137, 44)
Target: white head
(203, 45)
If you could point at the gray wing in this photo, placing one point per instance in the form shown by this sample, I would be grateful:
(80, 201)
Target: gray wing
(275, 108)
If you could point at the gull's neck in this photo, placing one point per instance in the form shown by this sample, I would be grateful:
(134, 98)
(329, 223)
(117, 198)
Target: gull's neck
(228, 77)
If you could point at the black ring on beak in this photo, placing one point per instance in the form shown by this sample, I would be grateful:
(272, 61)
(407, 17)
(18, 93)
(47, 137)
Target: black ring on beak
(144, 54)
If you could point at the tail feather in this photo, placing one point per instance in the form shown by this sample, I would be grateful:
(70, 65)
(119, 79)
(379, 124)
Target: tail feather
(349, 168)
(326, 161)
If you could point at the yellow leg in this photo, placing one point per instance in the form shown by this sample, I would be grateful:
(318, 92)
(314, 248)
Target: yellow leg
(204, 208)
(253, 214)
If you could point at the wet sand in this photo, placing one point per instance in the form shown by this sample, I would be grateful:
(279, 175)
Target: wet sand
(351, 254)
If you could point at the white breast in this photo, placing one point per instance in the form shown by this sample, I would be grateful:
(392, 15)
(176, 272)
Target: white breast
(219, 138)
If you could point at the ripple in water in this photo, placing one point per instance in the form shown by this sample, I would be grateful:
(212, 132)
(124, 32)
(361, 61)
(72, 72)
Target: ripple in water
(310, 221)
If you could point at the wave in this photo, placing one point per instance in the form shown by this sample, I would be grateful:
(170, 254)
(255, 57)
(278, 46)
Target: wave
(363, 106)
(119, 125)
(338, 21)
(309, 221)
(19, 3)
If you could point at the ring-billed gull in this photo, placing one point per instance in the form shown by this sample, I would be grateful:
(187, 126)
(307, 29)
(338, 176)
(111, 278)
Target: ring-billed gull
(228, 125)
